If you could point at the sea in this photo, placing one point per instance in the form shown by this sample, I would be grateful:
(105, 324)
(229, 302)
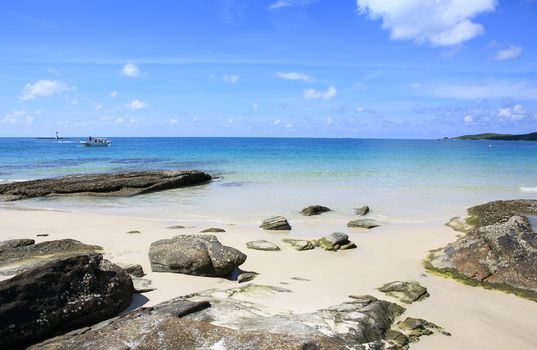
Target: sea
(401, 180)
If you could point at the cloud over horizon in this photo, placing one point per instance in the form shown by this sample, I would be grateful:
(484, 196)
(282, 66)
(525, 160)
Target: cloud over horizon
(43, 88)
(314, 94)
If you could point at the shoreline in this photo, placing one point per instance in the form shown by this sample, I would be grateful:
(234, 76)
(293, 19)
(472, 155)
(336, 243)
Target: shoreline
(476, 317)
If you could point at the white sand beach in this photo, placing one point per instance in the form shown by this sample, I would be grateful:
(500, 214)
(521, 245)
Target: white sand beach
(476, 318)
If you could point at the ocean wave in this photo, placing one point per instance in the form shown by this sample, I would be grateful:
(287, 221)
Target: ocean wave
(528, 189)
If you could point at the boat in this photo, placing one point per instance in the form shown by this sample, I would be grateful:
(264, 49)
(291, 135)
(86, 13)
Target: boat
(96, 142)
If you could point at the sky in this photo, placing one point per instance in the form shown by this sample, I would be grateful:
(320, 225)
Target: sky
(274, 68)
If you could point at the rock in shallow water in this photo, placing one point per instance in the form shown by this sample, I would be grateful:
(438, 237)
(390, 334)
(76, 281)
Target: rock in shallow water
(407, 292)
(60, 296)
(364, 223)
(315, 210)
(362, 210)
(120, 184)
(198, 255)
(213, 230)
(276, 223)
(262, 245)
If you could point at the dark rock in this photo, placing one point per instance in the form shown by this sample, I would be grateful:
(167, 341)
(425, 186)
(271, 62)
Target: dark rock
(262, 245)
(15, 243)
(407, 292)
(498, 211)
(299, 244)
(22, 255)
(135, 270)
(60, 296)
(414, 328)
(276, 223)
(199, 255)
(397, 338)
(315, 210)
(502, 255)
(362, 210)
(363, 223)
(121, 184)
(175, 227)
(42, 235)
(335, 241)
(133, 231)
(213, 230)
(246, 276)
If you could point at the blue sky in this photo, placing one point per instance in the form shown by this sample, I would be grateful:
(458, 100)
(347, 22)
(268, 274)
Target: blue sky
(307, 68)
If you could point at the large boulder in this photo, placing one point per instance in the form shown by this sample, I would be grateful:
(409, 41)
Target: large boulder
(198, 255)
(117, 184)
(60, 296)
(499, 252)
(407, 292)
(314, 210)
(21, 255)
(222, 319)
(276, 223)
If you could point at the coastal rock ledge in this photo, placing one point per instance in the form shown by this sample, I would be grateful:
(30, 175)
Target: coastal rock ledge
(117, 184)
(500, 251)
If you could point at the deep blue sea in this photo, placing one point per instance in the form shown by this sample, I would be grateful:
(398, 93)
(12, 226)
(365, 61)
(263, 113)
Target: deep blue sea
(402, 179)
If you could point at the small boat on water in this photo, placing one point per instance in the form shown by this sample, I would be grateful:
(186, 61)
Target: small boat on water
(96, 142)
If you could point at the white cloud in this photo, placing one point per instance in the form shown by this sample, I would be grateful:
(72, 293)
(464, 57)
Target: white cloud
(508, 53)
(17, 117)
(119, 120)
(42, 88)
(289, 3)
(293, 76)
(255, 107)
(276, 121)
(439, 22)
(231, 79)
(516, 90)
(468, 119)
(136, 104)
(173, 121)
(113, 94)
(130, 70)
(514, 113)
(312, 94)
(98, 106)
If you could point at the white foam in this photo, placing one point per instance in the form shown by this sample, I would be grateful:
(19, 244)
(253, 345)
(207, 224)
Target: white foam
(529, 189)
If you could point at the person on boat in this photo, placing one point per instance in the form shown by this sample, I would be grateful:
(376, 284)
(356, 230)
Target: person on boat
(89, 138)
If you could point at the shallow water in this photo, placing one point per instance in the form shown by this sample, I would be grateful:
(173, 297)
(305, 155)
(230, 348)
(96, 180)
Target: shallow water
(402, 180)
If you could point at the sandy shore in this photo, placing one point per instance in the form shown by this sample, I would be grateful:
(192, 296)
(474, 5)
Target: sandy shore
(477, 318)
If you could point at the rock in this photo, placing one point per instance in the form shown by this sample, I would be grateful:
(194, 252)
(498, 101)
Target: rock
(314, 210)
(42, 235)
(300, 279)
(407, 292)
(299, 244)
(142, 285)
(457, 224)
(246, 276)
(198, 255)
(417, 327)
(397, 338)
(59, 296)
(363, 223)
(276, 223)
(262, 245)
(21, 255)
(362, 210)
(498, 254)
(175, 227)
(213, 230)
(15, 243)
(133, 231)
(335, 241)
(135, 270)
(120, 184)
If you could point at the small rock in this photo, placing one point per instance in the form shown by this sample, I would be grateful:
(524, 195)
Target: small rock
(363, 223)
(417, 327)
(458, 224)
(213, 230)
(135, 270)
(262, 245)
(42, 235)
(175, 227)
(335, 241)
(397, 338)
(142, 285)
(133, 231)
(362, 210)
(407, 292)
(299, 244)
(300, 279)
(246, 276)
(315, 210)
(276, 223)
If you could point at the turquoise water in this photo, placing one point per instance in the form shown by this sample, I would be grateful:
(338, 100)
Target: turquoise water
(403, 179)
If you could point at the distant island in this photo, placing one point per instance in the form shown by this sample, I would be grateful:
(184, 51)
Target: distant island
(499, 137)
